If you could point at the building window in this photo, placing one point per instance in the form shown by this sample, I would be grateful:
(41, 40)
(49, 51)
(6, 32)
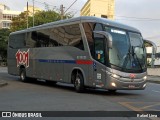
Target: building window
(104, 16)
(8, 16)
(6, 25)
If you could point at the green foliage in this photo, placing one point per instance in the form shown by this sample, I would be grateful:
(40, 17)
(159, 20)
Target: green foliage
(41, 17)
(146, 44)
(46, 17)
(4, 35)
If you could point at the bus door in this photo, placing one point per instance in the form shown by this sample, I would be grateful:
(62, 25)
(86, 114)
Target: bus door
(99, 68)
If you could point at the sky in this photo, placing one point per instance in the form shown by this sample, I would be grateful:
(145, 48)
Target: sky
(141, 14)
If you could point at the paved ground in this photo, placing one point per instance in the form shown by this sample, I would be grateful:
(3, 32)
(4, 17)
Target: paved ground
(3, 82)
(39, 96)
(154, 79)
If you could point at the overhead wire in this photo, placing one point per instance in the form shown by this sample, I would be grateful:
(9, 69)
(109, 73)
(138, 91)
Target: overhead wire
(129, 18)
(117, 17)
(55, 7)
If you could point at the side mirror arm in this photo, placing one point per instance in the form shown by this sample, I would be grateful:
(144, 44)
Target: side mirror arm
(107, 35)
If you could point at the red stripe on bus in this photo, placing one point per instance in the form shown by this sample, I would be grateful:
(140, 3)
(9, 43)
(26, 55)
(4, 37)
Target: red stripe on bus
(86, 62)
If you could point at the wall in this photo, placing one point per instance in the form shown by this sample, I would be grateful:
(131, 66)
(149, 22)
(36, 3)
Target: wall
(153, 71)
(98, 8)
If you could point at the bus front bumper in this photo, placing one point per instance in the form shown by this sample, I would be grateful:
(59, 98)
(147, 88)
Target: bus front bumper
(125, 84)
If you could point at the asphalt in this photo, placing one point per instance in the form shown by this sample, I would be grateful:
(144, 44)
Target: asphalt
(153, 79)
(3, 83)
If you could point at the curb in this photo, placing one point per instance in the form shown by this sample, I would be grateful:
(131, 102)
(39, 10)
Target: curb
(153, 79)
(3, 83)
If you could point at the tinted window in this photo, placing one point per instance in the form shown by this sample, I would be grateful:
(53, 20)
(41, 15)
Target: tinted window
(17, 41)
(68, 35)
(31, 39)
(99, 48)
(89, 28)
(98, 27)
(59, 36)
(136, 39)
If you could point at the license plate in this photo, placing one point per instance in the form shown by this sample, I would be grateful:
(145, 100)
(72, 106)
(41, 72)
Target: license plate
(131, 86)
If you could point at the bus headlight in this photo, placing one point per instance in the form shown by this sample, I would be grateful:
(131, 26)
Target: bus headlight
(145, 77)
(113, 84)
(115, 76)
(144, 85)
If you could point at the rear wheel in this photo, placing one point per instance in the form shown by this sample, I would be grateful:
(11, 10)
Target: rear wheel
(79, 83)
(23, 77)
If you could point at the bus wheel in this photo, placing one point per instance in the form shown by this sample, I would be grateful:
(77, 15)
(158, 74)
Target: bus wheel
(79, 83)
(23, 77)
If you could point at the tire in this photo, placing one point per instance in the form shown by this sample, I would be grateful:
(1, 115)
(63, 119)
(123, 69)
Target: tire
(79, 83)
(23, 77)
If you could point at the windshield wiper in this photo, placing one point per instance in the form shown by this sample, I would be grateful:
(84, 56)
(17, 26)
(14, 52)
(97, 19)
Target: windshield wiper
(125, 59)
(134, 54)
(116, 66)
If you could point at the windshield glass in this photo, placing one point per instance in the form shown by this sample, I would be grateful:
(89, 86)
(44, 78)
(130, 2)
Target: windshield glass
(127, 52)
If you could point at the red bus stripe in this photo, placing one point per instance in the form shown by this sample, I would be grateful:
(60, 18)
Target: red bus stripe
(85, 62)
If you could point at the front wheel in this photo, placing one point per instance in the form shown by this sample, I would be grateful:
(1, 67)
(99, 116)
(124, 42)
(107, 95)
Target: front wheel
(79, 83)
(23, 77)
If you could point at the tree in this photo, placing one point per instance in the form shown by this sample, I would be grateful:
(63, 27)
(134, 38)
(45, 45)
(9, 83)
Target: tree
(41, 17)
(19, 22)
(4, 35)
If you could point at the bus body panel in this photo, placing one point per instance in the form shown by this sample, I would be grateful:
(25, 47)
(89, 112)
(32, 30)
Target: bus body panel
(58, 63)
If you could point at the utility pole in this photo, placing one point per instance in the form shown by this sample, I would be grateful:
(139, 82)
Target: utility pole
(62, 11)
(27, 14)
(33, 13)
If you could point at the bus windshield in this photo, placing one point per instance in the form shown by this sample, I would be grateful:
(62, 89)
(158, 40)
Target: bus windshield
(127, 53)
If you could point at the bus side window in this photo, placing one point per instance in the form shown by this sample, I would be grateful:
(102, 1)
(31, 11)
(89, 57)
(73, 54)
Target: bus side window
(31, 38)
(73, 35)
(89, 27)
(17, 41)
(99, 48)
(98, 27)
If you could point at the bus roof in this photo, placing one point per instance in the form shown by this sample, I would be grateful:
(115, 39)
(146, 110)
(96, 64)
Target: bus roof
(80, 20)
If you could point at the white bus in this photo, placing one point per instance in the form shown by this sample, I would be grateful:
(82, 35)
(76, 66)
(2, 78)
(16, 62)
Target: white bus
(84, 51)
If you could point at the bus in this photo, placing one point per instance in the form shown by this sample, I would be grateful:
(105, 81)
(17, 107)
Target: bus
(88, 52)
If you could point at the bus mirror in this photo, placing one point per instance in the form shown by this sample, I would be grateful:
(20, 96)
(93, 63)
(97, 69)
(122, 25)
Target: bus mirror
(107, 35)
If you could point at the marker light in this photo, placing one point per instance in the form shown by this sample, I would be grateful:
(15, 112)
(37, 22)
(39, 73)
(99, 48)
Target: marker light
(144, 85)
(145, 77)
(115, 76)
(113, 84)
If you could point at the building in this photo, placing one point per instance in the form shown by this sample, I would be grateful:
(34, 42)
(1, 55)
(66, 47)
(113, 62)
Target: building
(4, 7)
(6, 16)
(156, 58)
(99, 8)
(30, 10)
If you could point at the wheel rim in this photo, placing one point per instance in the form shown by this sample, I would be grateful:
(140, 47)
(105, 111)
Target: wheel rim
(22, 76)
(77, 82)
